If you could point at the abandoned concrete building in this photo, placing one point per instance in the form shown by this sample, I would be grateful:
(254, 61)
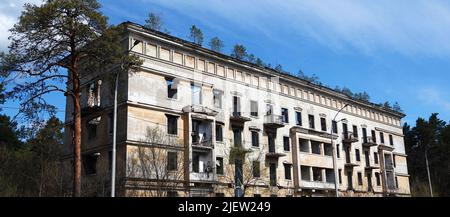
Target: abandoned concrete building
(194, 122)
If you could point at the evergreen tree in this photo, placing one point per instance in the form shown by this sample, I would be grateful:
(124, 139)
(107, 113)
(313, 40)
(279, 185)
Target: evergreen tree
(72, 34)
(196, 35)
(216, 44)
(154, 22)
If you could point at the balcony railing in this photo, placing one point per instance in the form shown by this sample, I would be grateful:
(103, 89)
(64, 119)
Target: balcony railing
(369, 141)
(349, 137)
(200, 141)
(239, 117)
(275, 121)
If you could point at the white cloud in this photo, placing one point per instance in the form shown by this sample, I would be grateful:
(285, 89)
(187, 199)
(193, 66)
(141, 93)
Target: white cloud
(434, 96)
(418, 27)
(9, 13)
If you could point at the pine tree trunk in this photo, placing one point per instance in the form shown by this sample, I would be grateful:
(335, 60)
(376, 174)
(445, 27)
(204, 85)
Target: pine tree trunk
(77, 139)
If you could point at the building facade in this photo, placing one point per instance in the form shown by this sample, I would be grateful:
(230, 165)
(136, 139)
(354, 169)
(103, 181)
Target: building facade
(194, 122)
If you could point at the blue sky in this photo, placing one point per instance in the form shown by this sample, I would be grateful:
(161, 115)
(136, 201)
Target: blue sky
(396, 51)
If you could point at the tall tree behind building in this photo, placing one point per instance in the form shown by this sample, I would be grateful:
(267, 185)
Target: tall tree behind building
(434, 135)
(239, 52)
(72, 34)
(196, 35)
(154, 22)
(216, 44)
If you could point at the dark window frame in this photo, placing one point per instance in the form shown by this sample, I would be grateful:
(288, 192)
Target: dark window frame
(298, 118)
(323, 124)
(172, 161)
(172, 124)
(286, 143)
(311, 122)
(172, 93)
(255, 138)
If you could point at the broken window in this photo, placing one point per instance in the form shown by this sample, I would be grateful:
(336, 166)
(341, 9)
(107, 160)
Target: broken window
(172, 125)
(328, 149)
(305, 173)
(315, 147)
(195, 162)
(304, 145)
(94, 94)
(90, 163)
(217, 98)
(287, 171)
(285, 115)
(171, 88)
(92, 127)
(329, 175)
(236, 106)
(219, 165)
(311, 121)
(171, 161)
(317, 174)
(269, 109)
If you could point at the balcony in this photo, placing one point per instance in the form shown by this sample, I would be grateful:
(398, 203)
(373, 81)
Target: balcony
(351, 164)
(239, 117)
(274, 155)
(368, 141)
(273, 121)
(385, 147)
(198, 141)
(371, 166)
(205, 177)
(317, 185)
(349, 137)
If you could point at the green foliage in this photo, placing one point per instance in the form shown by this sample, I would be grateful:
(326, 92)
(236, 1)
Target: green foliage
(196, 35)
(432, 135)
(9, 134)
(61, 33)
(239, 52)
(32, 167)
(216, 44)
(313, 79)
(154, 22)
